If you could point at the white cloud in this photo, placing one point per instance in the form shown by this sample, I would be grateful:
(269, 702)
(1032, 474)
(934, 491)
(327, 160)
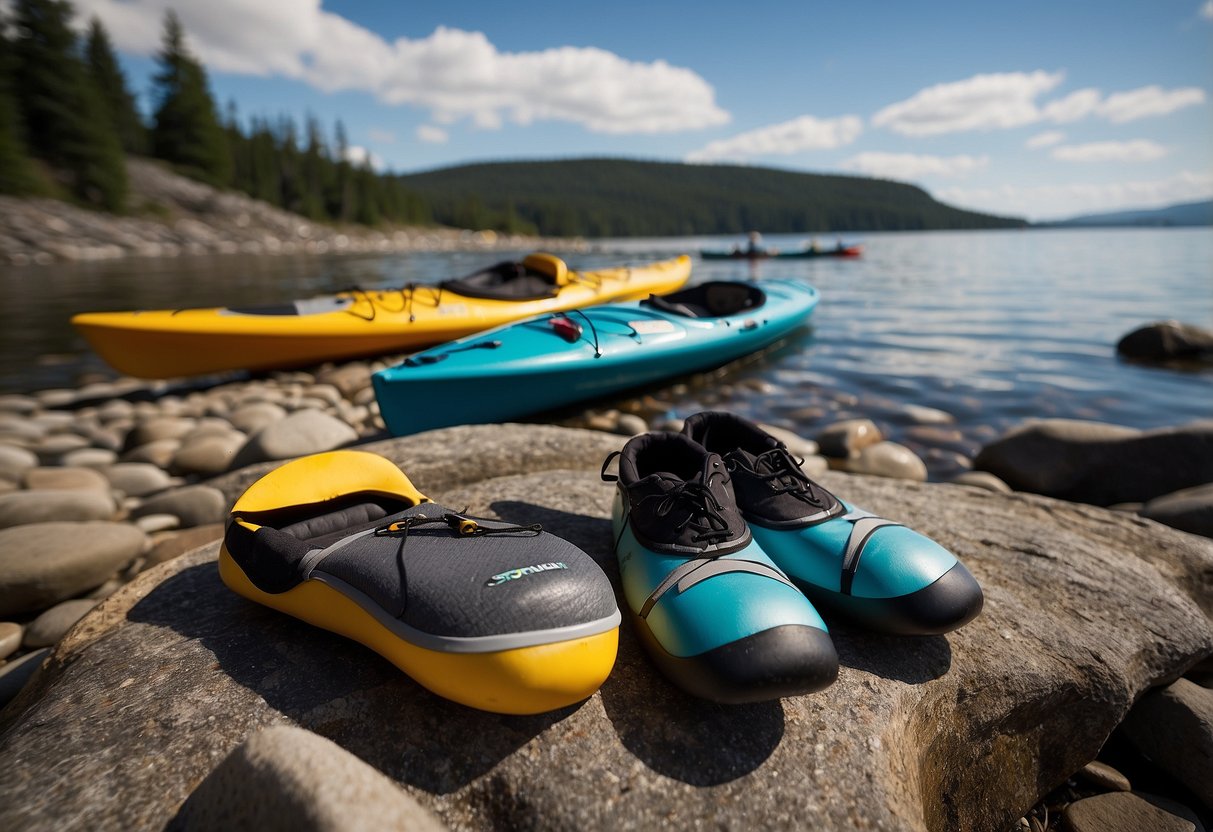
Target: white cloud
(452, 73)
(910, 167)
(983, 102)
(431, 134)
(1139, 150)
(1005, 100)
(1076, 105)
(360, 156)
(1040, 202)
(1046, 139)
(381, 136)
(795, 136)
(1148, 101)
(1206, 11)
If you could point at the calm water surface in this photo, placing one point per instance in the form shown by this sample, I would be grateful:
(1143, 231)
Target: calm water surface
(991, 327)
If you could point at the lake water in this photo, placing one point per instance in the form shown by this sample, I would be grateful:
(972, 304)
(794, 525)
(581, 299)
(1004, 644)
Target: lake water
(990, 327)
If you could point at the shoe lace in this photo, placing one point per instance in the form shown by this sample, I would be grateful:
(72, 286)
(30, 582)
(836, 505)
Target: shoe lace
(704, 511)
(783, 474)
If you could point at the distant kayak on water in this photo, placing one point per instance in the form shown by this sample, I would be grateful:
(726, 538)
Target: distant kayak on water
(739, 253)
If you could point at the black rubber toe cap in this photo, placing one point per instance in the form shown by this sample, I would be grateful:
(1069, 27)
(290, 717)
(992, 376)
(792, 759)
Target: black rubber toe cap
(950, 602)
(783, 661)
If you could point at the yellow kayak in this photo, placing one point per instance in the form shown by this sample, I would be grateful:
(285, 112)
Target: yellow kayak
(168, 343)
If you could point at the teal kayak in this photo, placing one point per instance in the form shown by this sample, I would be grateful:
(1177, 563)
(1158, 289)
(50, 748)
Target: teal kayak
(553, 360)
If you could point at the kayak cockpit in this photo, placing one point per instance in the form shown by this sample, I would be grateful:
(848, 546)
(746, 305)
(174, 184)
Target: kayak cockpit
(715, 299)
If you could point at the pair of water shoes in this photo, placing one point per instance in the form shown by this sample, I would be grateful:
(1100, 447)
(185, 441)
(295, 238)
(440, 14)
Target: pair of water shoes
(725, 545)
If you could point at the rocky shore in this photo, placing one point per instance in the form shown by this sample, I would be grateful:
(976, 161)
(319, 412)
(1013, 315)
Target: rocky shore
(171, 215)
(120, 646)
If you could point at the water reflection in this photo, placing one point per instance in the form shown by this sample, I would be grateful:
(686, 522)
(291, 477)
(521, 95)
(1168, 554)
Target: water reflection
(989, 326)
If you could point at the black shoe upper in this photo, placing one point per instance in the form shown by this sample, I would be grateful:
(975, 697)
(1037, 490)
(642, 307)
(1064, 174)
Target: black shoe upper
(771, 488)
(679, 497)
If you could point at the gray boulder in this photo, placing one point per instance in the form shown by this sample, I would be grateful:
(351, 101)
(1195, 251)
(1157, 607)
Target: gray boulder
(1091, 462)
(965, 731)
(42, 564)
(1165, 341)
(289, 779)
(303, 432)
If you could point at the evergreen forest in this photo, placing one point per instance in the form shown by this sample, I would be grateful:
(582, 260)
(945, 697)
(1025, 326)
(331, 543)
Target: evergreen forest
(68, 119)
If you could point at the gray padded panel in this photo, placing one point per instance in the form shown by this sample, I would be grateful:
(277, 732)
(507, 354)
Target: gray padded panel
(439, 583)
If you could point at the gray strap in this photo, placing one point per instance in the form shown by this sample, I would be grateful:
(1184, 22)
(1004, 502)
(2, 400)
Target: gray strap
(864, 525)
(694, 571)
(313, 558)
(674, 577)
(724, 565)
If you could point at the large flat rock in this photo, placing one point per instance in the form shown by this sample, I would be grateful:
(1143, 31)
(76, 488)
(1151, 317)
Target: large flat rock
(1085, 609)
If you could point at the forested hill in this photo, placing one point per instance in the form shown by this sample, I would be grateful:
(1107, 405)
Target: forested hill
(621, 198)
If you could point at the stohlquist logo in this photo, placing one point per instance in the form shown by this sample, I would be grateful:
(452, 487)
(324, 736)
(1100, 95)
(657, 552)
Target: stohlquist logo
(522, 572)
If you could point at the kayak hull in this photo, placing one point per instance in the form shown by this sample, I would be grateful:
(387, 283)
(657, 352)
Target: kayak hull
(533, 369)
(171, 343)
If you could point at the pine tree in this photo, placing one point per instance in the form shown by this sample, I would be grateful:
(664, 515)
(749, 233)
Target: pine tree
(115, 97)
(186, 130)
(16, 174)
(64, 120)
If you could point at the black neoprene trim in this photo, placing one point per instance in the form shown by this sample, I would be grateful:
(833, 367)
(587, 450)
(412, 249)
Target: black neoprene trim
(791, 660)
(950, 602)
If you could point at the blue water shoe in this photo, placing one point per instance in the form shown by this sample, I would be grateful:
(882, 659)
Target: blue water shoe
(715, 614)
(847, 560)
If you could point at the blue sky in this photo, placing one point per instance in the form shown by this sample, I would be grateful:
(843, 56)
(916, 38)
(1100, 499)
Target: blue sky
(1039, 109)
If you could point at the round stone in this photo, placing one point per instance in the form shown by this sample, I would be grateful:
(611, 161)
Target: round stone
(1166, 340)
(208, 455)
(156, 429)
(1121, 812)
(982, 479)
(51, 625)
(11, 634)
(303, 432)
(629, 424)
(44, 563)
(89, 458)
(21, 507)
(797, 444)
(194, 505)
(17, 403)
(1190, 510)
(159, 452)
(66, 479)
(888, 459)
(152, 523)
(136, 479)
(52, 449)
(844, 438)
(15, 461)
(177, 543)
(1104, 776)
(927, 415)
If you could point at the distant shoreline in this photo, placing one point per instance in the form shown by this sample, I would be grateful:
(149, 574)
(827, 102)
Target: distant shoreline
(174, 216)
